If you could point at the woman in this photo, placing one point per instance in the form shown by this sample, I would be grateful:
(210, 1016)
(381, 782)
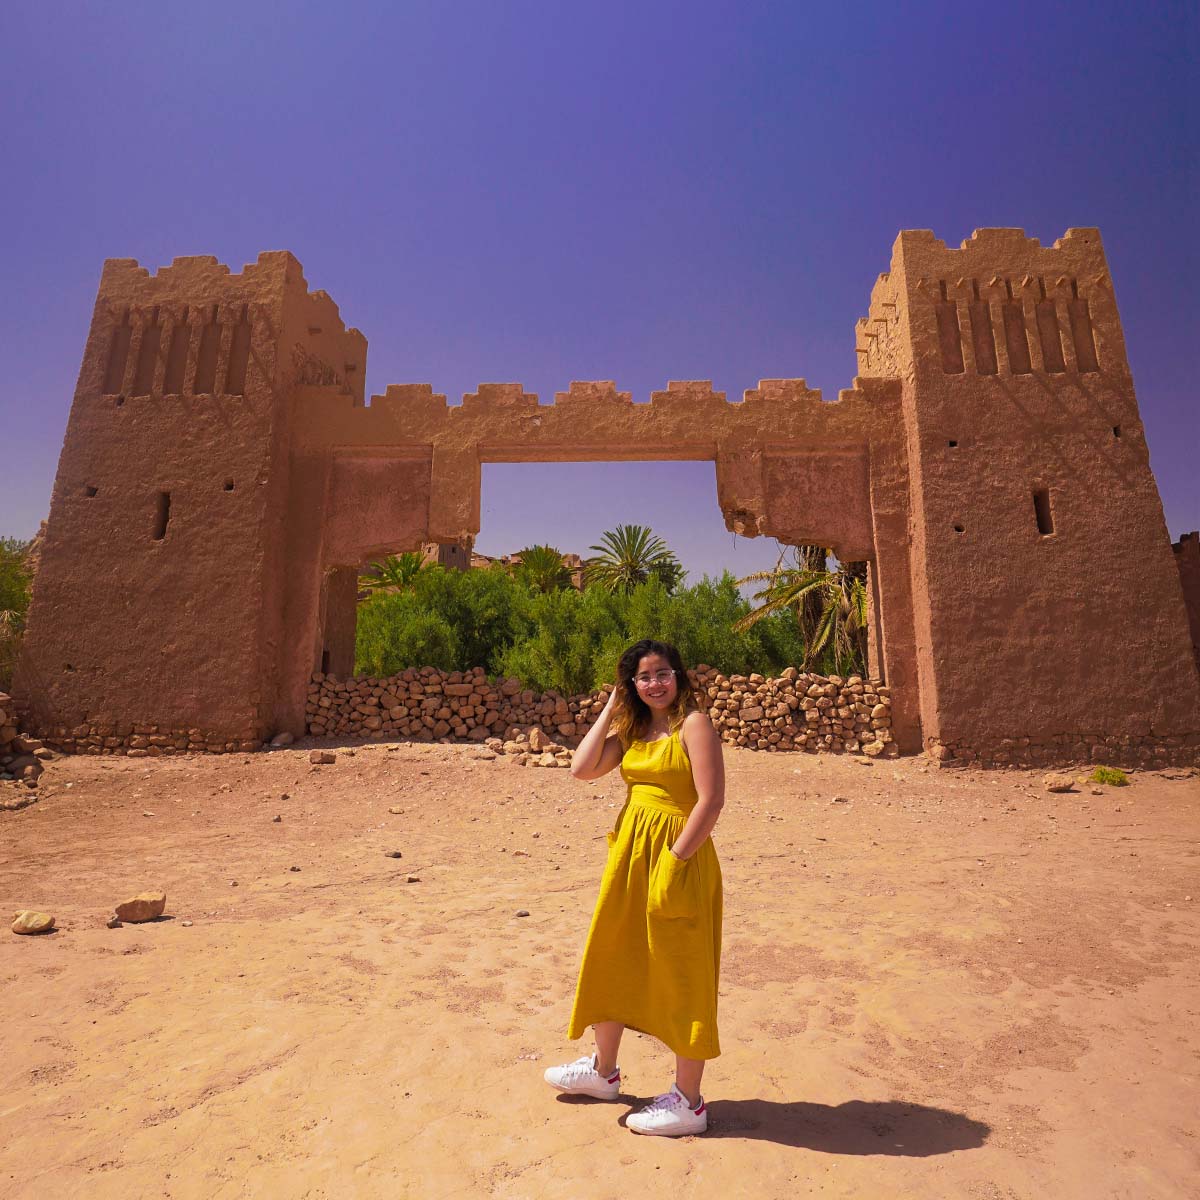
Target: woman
(653, 952)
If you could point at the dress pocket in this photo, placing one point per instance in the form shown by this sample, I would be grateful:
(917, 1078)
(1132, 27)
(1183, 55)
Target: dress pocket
(670, 895)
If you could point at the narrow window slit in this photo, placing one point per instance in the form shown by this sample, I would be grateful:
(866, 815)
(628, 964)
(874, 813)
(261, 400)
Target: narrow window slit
(239, 356)
(1081, 330)
(177, 351)
(229, 485)
(1041, 510)
(143, 383)
(1116, 431)
(1014, 334)
(90, 491)
(952, 443)
(162, 515)
(949, 335)
(958, 528)
(206, 359)
(324, 662)
(118, 354)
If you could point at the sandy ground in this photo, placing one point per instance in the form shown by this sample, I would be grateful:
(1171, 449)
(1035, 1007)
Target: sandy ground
(946, 985)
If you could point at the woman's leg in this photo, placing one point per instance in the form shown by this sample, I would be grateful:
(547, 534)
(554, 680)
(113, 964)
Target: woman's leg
(688, 1072)
(608, 1042)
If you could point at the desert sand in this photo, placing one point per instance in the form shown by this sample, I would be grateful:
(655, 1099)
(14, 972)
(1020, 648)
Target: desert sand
(940, 984)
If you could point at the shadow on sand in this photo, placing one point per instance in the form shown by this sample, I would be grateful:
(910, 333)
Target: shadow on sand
(890, 1127)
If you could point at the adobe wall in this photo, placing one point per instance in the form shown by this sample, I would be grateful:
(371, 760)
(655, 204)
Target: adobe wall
(1187, 560)
(222, 482)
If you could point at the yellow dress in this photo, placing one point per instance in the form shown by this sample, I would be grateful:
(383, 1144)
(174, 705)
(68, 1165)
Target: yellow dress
(653, 952)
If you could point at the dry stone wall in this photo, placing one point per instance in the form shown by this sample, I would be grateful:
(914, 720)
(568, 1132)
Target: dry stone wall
(21, 757)
(795, 711)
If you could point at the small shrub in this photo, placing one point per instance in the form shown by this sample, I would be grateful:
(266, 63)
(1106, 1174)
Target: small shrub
(1113, 776)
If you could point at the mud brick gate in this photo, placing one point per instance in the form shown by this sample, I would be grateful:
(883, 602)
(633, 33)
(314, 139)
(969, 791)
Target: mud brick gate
(222, 481)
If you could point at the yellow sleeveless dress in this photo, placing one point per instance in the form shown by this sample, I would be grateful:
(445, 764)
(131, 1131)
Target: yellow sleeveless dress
(653, 952)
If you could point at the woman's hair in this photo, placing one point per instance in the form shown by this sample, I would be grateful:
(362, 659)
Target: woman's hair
(631, 714)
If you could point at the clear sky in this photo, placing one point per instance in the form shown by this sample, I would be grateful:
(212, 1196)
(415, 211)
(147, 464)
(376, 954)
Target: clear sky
(543, 192)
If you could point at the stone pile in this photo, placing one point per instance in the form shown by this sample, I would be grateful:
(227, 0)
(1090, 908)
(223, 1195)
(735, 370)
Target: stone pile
(800, 711)
(145, 740)
(794, 711)
(22, 758)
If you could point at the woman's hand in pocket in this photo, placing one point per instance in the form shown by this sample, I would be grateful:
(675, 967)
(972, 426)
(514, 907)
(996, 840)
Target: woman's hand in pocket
(671, 887)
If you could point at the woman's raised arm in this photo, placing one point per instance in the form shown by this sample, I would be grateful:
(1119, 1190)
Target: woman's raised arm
(599, 752)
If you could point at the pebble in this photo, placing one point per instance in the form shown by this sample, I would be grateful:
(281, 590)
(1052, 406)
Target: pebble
(293, 868)
(392, 854)
(32, 921)
(276, 820)
(322, 757)
(147, 814)
(395, 811)
(522, 912)
(840, 800)
(186, 924)
(413, 879)
(113, 923)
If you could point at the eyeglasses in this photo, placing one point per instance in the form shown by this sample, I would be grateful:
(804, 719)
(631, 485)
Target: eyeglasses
(660, 677)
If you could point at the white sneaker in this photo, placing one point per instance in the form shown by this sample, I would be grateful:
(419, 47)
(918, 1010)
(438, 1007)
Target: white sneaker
(670, 1115)
(581, 1078)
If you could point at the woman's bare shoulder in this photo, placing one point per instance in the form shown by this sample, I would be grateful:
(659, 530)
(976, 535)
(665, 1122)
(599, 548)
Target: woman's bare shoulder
(697, 724)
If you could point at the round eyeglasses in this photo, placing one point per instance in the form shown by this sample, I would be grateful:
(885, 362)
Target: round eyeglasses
(662, 678)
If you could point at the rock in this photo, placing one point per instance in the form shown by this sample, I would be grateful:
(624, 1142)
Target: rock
(753, 712)
(143, 907)
(392, 854)
(537, 740)
(322, 758)
(276, 819)
(186, 924)
(840, 800)
(113, 922)
(413, 879)
(32, 921)
(395, 810)
(1058, 783)
(546, 760)
(44, 753)
(522, 912)
(293, 868)
(26, 766)
(483, 755)
(282, 739)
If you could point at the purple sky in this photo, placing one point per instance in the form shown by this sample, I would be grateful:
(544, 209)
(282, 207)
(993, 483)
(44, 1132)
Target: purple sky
(547, 192)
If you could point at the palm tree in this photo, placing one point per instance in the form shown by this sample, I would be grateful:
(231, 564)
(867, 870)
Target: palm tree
(831, 605)
(630, 555)
(541, 568)
(394, 573)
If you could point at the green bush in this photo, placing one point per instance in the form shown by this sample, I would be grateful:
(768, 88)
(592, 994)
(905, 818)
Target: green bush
(1113, 776)
(15, 581)
(395, 633)
(563, 639)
